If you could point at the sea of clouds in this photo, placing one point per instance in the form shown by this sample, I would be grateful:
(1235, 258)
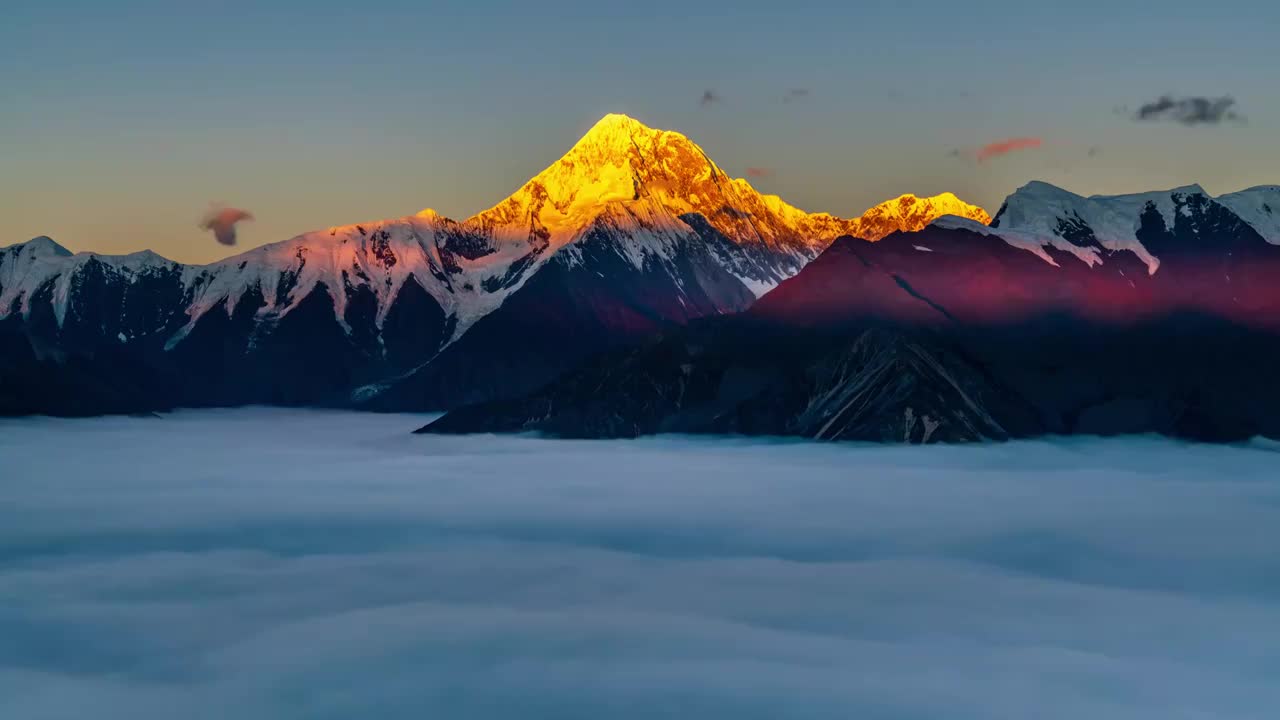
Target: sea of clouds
(285, 564)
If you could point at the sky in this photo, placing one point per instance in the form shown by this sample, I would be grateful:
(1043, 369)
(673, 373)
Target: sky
(122, 122)
(336, 566)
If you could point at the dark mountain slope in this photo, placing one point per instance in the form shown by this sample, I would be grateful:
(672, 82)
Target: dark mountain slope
(959, 335)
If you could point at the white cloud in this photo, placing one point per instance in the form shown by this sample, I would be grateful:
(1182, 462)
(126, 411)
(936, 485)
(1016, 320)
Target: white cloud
(267, 564)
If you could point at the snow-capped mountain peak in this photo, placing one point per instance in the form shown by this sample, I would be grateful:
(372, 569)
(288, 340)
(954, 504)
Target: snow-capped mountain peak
(1259, 207)
(621, 160)
(908, 213)
(40, 245)
(627, 203)
(604, 166)
(23, 265)
(1040, 215)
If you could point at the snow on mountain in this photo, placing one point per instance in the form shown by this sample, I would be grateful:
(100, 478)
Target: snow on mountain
(632, 232)
(437, 253)
(1259, 207)
(42, 264)
(652, 187)
(908, 213)
(1040, 215)
(1020, 239)
(641, 181)
(643, 231)
(621, 163)
(621, 160)
(41, 246)
(26, 265)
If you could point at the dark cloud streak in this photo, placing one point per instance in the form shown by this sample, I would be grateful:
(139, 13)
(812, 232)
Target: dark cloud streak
(1192, 110)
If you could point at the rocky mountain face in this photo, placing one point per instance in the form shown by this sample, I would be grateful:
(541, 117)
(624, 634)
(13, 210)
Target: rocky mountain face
(1145, 313)
(738, 376)
(634, 230)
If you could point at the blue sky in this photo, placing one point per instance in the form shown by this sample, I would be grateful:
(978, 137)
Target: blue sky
(124, 120)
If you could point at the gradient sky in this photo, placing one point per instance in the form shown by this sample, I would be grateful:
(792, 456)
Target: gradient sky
(122, 121)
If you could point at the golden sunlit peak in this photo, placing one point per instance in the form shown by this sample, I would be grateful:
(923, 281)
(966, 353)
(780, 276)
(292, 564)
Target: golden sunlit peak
(428, 214)
(621, 161)
(942, 197)
(616, 129)
(618, 120)
(910, 212)
(941, 201)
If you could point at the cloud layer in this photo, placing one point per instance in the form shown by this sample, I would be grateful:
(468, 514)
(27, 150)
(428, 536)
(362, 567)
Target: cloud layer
(273, 564)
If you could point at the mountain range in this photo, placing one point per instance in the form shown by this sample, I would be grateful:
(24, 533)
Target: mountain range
(1156, 312)
(634, 287)
(632, 230)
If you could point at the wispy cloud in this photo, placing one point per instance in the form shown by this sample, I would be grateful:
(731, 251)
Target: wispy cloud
(759, 172)
(795, 94)
(1009, 145)
(1192, 110)
(222, 221)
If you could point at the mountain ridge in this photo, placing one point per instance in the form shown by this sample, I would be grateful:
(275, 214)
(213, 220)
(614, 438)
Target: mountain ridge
(1147, 312)
(633, 233)
(469, 266)
(909, 213)
(632, 230)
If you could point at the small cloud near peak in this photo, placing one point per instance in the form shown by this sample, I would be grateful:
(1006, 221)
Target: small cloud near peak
(221, 220)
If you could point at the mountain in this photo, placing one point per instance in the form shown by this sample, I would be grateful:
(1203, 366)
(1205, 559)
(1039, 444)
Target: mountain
(643, 232)
(632, 231)
(1155, 312)
(735, 375)
(908, 213)
(660, 236)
